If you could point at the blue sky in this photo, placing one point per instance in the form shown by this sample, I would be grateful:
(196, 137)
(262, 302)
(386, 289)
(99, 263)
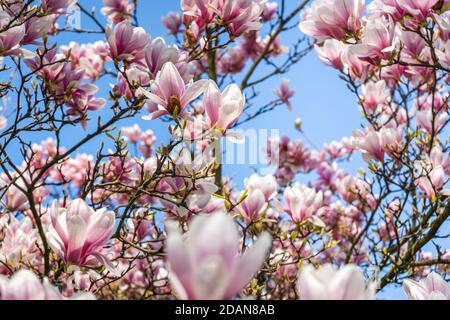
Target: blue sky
(328, 110)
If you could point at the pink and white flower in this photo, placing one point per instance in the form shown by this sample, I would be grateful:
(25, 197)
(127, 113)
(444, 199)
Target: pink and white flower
(205, 262)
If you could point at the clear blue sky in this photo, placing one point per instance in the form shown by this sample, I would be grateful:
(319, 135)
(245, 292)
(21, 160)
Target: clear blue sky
(328, 110)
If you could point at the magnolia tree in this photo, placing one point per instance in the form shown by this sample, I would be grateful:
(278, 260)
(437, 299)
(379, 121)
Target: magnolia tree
(147, 219)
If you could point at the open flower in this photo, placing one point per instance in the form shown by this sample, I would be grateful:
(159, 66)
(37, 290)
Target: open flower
(433, 287)
(25, 285)
(303, 203)
(223, 109)
(284, 93)
(170, 95)
(78, 232)
(126, 42)
(332, 18)
(327, 283)
(204, 263)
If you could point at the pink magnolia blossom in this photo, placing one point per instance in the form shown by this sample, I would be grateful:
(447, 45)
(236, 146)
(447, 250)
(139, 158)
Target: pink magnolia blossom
(13, 197)
(430, 174)
(303, 203)
(413, 45)
(126, 42)
(25, 285)
(232, 61)
(158, 53)
(240, 15)
(11, 37)
(147, 142)
(172, 21)
(433, 287)
(35, 27)
(419, 9)
(170, 93)
(284, 93)
(327, 19)
(223, 108)
(267, 185)
(353, 189)
(270, 11)
(375, 96)
(392, 8)
(330, 51)
(357, 68)
(253, 206)
(19, 245)
(57, 6)
(133, 133)
(117, 10)
(135, 77)
(328, 283)
(370, 142)
(205, 264)
(378, 40)
(443, 22)
(78, 232)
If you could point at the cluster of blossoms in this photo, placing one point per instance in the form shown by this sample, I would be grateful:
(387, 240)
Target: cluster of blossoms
(147, 217)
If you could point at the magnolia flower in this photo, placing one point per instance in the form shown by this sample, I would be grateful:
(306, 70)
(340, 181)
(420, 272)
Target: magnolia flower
(117, 10)
(267, 185)
(10, 38)
(240, 15)
(332, 18)
(430, 174)
(25, 285)
(252, 206)
(56, 6)
(126, 42)
(391, 7)
(444, 24)
(204, 263)
(378, 40)
(327, 283)
(270, 11)
(170, 94)
(284, 93)
(223, 109)
(433, 287)
(375, 95)
(13, 197)
(78, 232)
(172, 21)
(330, 52)
(132, 134)
(35, 27)
(419, 9)
(303, 203)
(158, 53)
(370, 143)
